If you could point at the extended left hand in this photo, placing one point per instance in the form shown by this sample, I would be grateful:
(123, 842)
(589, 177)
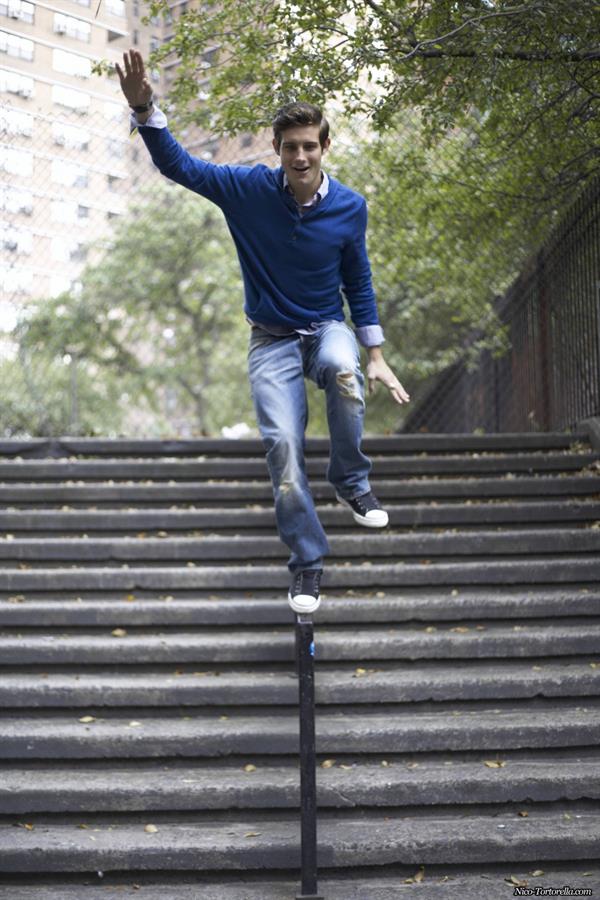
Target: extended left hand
(378, 370)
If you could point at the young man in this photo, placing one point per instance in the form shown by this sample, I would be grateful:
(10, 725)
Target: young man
(300, 237)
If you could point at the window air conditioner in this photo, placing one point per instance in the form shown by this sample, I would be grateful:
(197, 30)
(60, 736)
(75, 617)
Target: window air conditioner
(60, 29)
(25, 92)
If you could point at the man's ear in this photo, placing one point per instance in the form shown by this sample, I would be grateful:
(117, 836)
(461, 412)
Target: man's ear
(275, 146)
(326, 145)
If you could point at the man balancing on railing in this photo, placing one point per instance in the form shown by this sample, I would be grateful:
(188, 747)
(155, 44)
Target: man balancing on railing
(300, 237)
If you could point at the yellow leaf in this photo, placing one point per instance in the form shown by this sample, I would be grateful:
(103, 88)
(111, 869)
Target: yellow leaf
(384, 763)
(454, 593)
(151, 829)
(523, 813)
(88, 719)
(430, 629)
(461, 629)
(380, 594)
(358, 673)
(249, 768)
(134, 723)
(494, 763)
(223, 718)
(118, 632)
(420, 874)
(537, 872)
(328, 764)
(83, 826)
(342, 766)
(518, 881)
(252, 833)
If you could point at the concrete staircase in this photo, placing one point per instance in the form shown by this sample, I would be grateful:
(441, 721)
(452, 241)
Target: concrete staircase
(149, 734)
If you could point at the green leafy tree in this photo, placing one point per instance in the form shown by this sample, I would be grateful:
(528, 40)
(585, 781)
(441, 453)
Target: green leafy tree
(528, 70)
(161, 311)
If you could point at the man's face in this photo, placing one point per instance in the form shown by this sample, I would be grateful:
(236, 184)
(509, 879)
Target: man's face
(301, 155)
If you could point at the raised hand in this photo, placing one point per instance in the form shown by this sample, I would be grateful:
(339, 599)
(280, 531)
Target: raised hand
(134, 83)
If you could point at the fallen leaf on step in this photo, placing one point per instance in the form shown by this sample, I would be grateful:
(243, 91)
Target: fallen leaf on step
(223, 718)
(130, 598)
(16, 598)
(118, 632)
(420, 875)
(252, 833)
(385, 763)
(358, 673)
(328, 764)
(88, 719)
(537, 872)
(151, 829)
(523, 813)
(595, 665)
(162, 534)
(249, 768)
(518, 881)
(134, 723)
(454, 593)
(430, 629)
(460, 629)
(494, 763)
(25, 825)
(342, 766)
(380, 594)
(83, 826)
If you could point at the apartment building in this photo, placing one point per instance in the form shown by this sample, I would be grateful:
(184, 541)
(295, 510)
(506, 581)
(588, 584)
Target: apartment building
(66, 160)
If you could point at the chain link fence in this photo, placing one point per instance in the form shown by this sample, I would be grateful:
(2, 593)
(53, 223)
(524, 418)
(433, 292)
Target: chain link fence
(121, 297)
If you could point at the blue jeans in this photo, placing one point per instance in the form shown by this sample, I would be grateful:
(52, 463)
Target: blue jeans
(277, 367)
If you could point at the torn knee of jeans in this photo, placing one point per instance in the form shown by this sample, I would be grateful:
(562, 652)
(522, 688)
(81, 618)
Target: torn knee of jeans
(348, 385)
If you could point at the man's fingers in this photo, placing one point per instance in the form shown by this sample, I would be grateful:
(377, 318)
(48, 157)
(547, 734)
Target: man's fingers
(127, 63)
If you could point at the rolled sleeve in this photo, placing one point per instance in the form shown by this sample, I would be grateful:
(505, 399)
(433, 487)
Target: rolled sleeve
(156, 120)
(370, 335)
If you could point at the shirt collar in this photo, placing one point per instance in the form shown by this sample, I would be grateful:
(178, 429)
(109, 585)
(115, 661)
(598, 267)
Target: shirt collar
(320, 193)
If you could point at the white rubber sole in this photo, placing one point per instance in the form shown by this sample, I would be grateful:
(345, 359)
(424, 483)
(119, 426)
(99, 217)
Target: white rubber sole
(377, 518)
(304, 603)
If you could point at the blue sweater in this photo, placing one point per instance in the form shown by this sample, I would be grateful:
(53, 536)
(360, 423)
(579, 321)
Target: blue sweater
(293, 266)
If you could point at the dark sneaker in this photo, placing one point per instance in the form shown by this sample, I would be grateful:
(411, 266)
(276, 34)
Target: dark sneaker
(303, 595)
(367, 510)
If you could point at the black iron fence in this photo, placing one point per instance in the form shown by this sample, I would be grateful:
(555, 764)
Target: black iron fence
(550, 377)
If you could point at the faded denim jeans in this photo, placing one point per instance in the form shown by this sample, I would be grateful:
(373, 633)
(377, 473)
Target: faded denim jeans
(277, 367)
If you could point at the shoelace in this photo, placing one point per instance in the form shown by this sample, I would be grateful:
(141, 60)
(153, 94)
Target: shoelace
(364, 506)
(308, 582)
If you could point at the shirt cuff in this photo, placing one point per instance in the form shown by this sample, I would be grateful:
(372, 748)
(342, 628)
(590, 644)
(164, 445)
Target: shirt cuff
(156, 120)
(370, 335)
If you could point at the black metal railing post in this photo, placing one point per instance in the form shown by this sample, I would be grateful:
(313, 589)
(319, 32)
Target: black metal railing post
(305, 653)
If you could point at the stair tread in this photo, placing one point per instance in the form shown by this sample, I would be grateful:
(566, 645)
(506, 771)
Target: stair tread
(445, 883)
(192, 842)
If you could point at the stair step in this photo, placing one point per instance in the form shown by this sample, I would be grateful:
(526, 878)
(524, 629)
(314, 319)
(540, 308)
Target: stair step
(387, 683)
(234, 493)
(530, 724)
(226, 468)
(207, 548)
(521, 571)
(271, 840)
(460, 882)
(56, 522)
(444, 641)
(396, 443)
(126, 788)
(370, 607)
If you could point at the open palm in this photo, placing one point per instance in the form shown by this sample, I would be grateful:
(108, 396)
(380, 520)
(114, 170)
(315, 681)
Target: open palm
(134, 82)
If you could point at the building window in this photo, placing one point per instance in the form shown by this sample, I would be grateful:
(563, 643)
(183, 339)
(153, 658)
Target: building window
(71, 26)
(16, 281)
(83, 212)
(13, 121)
(115, 7)
(14, 201)
(16, 46)
(116, 149)
(69, 174)
(17, 9)
(71, 63)
(113, 111)
(15, 240)
(13, 83)
(83, 2)
(17, 162)
(71, 98)
(70, 136)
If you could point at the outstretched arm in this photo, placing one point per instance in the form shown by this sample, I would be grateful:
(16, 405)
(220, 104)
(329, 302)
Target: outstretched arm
(134, 83)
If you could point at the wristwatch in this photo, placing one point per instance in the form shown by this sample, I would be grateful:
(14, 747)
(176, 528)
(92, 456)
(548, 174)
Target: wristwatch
(144, 107)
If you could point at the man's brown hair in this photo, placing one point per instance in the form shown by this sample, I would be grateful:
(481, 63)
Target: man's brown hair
(299, 113)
